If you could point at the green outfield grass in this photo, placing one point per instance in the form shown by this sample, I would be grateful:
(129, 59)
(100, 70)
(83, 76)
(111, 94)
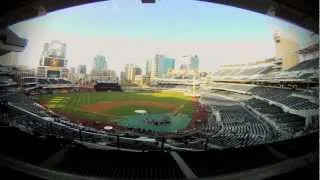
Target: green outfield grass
(72, 103)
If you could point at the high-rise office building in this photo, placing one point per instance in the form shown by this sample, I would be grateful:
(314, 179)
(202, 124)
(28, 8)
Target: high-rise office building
(166, 64)
(122, 77)
(286, 49)
(160, 66)
(148, 68)
(100, 63)
(194, 63)
(183, 67)
(130, 72)
(138, 71)
(105, 75)
(152, 68)
(82, 69)
(155, 65)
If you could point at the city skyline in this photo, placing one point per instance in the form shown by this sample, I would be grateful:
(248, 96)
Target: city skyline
(129, 32)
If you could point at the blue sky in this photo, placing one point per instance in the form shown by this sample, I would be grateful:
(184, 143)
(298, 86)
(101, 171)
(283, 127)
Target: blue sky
(126, 31)
(168, 19)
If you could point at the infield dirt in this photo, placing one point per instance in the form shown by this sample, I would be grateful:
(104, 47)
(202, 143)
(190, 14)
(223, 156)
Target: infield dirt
(102, 106)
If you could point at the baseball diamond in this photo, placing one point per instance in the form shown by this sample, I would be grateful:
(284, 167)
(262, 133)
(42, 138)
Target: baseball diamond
(118, 108)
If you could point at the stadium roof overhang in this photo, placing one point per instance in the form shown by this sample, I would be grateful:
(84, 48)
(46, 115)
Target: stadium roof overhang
(9, 41)
(311, 48)
(301, 12)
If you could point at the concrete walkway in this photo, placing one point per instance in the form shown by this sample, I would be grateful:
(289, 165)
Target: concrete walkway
(54, 159)
(183, 166)
(277, 153)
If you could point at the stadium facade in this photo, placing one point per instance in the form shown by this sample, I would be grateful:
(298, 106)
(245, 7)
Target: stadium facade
(309, 52)
(286, 48)
(107, 85)
(264, 115)
(53, 62)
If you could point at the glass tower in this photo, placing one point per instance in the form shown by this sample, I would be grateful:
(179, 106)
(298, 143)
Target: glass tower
(100, 63)
(166, 64)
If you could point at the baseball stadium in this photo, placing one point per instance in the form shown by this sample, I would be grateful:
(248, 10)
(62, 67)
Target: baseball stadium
(159, 89)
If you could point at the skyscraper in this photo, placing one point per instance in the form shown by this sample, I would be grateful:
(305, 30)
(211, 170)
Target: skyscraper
(100, 63)
(166, 64)
(286, 49)
(194, 63)
(122, 77)
(82, 69)
(130, 72)
(155, 65)
(160, 66)
(138, 71)
(152, 67)
(148, 68)
(183, 67)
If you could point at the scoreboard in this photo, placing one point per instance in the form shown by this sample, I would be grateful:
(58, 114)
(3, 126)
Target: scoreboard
(53, 74)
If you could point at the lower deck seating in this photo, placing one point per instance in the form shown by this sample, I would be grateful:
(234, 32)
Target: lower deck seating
(240, 128)
(286, 121)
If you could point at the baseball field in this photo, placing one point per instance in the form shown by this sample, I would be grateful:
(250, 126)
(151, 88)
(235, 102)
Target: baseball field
(119, 108)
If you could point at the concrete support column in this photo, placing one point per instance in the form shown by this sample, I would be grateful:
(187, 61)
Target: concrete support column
(308, 122)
